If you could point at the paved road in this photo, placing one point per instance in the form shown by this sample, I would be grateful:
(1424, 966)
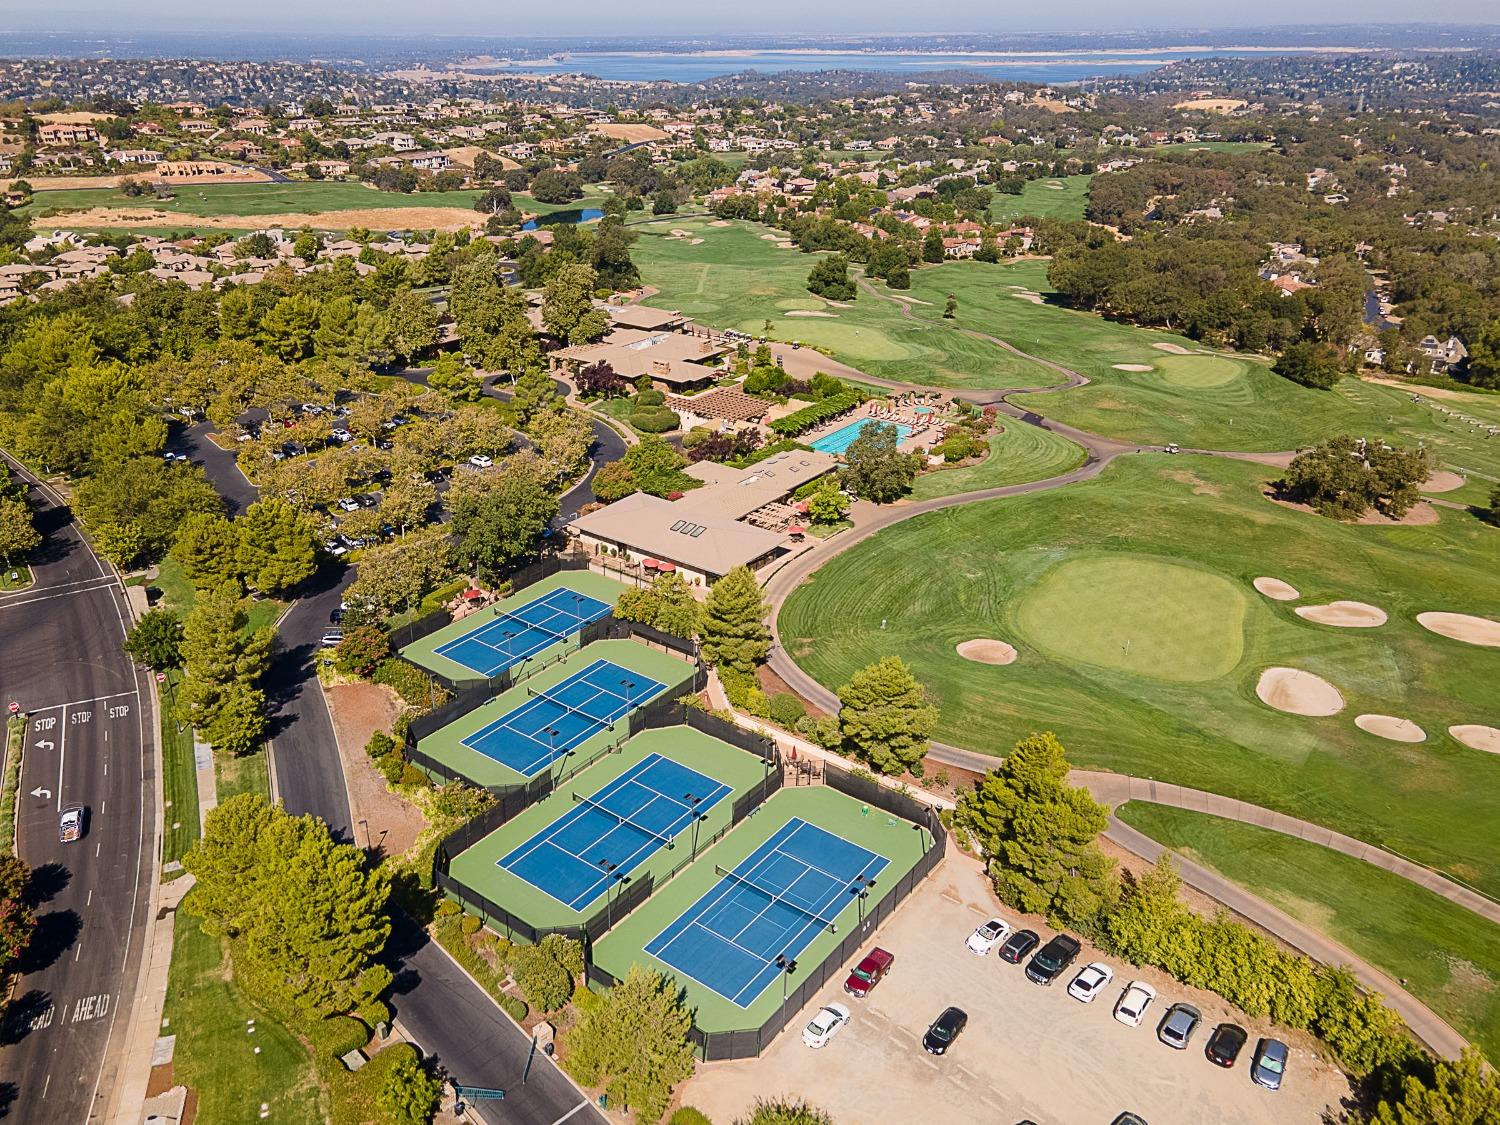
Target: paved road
(218, 464)
(89, 741)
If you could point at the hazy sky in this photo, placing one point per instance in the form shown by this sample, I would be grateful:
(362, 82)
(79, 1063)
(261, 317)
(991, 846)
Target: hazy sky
(697, 17)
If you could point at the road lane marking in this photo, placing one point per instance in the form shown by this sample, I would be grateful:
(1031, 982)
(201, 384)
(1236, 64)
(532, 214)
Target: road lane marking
(571, 1112)
(34, 590)
(62, 753)
(103, 585)
(82, 702)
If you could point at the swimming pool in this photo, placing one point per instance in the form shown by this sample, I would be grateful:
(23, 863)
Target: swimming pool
(842, 438)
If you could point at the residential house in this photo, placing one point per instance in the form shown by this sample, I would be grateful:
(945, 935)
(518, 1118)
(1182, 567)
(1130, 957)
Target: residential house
(66, 133)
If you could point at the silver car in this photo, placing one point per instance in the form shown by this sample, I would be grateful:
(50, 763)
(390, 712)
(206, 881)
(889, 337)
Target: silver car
(1178, 1025)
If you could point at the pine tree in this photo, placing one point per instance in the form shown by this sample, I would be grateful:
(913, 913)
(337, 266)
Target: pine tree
(733, 626)
(409, 1095)
(206, 548)
(277, 546)
(635, 1042)
(222, 665)
(1038, 835)
(1466, 1092)
(884, 716)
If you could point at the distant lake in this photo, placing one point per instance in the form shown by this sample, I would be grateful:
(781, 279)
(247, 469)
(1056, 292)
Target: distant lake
(560, 218)
(1038, 67)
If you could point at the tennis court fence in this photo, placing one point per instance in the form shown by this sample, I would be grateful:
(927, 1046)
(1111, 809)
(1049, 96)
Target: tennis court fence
(713, 1046)
(615, 629)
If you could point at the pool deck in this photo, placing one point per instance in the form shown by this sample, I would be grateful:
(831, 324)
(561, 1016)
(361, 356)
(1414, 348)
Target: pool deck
(918, 431)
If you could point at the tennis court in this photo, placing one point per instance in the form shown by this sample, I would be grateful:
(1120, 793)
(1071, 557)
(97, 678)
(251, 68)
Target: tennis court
(607, 835)
(554, 720)
(772, 904)
(508, 637)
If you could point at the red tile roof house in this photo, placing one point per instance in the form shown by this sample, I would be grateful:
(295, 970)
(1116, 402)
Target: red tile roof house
(66, 133)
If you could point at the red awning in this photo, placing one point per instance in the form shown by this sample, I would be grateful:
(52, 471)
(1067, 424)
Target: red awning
(795, 530)
(666, 567)
(472, 594)
(802, 506)
(650, 564)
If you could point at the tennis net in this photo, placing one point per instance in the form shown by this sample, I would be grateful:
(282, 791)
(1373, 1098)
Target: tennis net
(596, 720)
(588, 802)
(522, 625)
(826, 923)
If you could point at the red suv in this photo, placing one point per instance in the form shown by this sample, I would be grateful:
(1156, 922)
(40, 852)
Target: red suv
(867, 973)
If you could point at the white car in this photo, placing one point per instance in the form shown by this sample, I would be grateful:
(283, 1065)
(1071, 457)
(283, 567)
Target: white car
(829, 1020)
(1090, 981)
(1131, 1007)
(989, 935)
(349, 504)
(481, 461)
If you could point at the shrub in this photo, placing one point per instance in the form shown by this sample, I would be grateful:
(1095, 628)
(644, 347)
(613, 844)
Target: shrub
(514, 1007)
(687, 1115)
(786, 710)
(545, 984)
(380, 745)
(411, 683)
(447, 908)
(391, 767)
(458, 801)
(565, 951)
(821, 411)
(737, 684)
(470, 924)
(652, 397)
(655, 419)
(341, 1034)
(411, 775)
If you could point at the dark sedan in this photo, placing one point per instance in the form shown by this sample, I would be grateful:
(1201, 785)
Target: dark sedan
(1225, 1044)
(944, 1030)
(1268, 1064)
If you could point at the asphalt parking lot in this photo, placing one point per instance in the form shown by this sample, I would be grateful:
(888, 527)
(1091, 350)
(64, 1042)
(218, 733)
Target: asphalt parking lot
(1028, 1053)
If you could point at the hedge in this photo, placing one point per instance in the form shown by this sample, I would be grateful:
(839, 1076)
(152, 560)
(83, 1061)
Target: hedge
(655, 419)
(810, 416)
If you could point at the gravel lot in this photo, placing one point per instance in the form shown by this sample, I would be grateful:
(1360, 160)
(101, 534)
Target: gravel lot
(1028, 1053)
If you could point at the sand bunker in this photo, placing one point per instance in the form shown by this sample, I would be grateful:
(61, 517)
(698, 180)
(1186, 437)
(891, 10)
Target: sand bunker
(1443, 481)
(811, 312)
(987, 652)
(678, 233)
(1034, 298)
(695, 242)
(1477, 737)
(1298, 693)
(770, 238)
(1462, 627)
(1131, 366)
(721, 223)
(1388, 726)
(1276, 589)
(1346, 615)
(1175, 349)
(1054, 185)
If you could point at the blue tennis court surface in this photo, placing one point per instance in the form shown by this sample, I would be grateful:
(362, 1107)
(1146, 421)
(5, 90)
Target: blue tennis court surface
(772, 904)
(549, 724)
(510, 638)
(616, 830)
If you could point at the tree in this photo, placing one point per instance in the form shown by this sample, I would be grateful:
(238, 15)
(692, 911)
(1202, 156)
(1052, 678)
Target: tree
(17, 924)
(18, 533)
(155, 640)
(222, 665)
(412, 321)
(829, 278)
(1037, 834)
(534, 394)
(562, 437)
(655, 467)
(568, 305)
(1484, 357)
(667, 604)
(277, 546)
(785, 1111)
(950, 307)
(614, 481)
(732, 625)
(551, 186)
(635, 1043)
(602, 380)
(307, 914)
(455, 379)
(501, 525)
(1344, 476)
(137, 508)
(898, 277)
(827, 505)
(362, 648)
(1311, 364)
(885, 718)
(875, 469)
(287, 328)
(409, 1095)
(546, 984)
(1466, 1092)
(1494, 509)
(932, 246)
(394, 576)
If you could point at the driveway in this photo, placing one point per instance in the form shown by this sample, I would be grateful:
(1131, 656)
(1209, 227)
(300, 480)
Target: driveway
(1028, 1053)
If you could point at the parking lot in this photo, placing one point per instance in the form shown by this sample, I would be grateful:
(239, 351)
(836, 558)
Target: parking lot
(1028, 1053)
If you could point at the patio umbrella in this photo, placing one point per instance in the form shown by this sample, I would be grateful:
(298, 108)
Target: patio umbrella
(666, 567)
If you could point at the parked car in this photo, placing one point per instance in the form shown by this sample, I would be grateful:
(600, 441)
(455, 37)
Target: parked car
(828, 1022)
(340, 433)
(1018, 945)
(1178, 1025)
(174, 458)
(1090, 981)
(481, 460)
(1225, 1044)
(944, 1031)
(1052, 959)
(336, 548)
(348, 504)
(1128, 1119)
(869, 972)
(984, 939)
(1268, 1064)
(332, 638)
(71, 823)
(1130, 1008)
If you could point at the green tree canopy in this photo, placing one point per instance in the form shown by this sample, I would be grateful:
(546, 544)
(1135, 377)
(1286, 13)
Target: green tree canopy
(1311, 364)
(222, 665)
(635, 1043)
(1038, 835)
(874, 467)
(885, 718)
(667, 604)
(732, 624)
(155, 640)
(409, 1095)
(1466, 1092)
(568, 305)
(829, 278)
(501, 524)
(277, 547)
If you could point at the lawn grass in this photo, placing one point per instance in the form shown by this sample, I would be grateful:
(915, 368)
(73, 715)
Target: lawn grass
(21, 580)
(215, 1054)
(478, 867)
(1448, 957)
(446, 745)
(1043, 199)
(945, 577)
(825, 807)
(1018, 454)
(179, 778)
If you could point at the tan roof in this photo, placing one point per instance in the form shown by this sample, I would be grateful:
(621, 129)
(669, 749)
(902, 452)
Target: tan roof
(734, 493)
(646, 524)
(643, 316)
(669, 356)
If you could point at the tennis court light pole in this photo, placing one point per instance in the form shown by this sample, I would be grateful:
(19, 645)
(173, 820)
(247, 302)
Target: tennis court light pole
(693, 803)
(787, 967)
